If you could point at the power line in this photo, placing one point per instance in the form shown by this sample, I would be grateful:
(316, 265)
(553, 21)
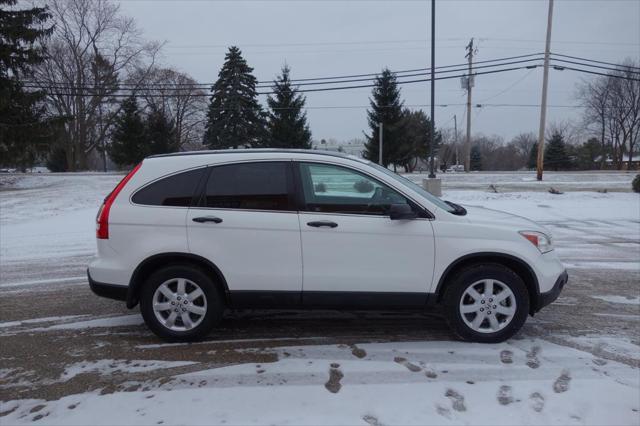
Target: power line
(65, 89)
(324, 89)
(594, 66)
(373, 75)
(511, 86)
(519, 40)
(620, 77)
(360, 77)
(185, 87)
(595, 61)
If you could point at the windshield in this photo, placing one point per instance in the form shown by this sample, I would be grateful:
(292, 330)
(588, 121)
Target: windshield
(420, 190)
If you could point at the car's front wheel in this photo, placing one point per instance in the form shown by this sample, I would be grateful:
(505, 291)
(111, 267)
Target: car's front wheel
(180, 303)
(486, 303)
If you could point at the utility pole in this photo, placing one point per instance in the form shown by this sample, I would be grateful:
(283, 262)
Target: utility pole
(432, 137)
(455, 136)
(380, 143)
(543, 104)
(467, 142)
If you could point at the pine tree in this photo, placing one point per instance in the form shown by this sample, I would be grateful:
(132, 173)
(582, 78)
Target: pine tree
(287, 123)
(385, 108)
(235, 118)
(415, 141)
(160, 133)
(129, 144)
(475, 158)
(24, 132)
(533, 157)
(555, 153)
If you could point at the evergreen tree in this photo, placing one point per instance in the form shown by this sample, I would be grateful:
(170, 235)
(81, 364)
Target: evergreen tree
(415, 141)
(587, 153)
(475, 158)
(287, 124)
(160, 132)
(57, 160)
(555, 153)
(129, 144)
(235, 118)
(385, 108)
(533, 157)
(24, 132)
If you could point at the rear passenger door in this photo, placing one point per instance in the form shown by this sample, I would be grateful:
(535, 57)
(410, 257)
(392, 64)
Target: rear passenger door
(246, 223)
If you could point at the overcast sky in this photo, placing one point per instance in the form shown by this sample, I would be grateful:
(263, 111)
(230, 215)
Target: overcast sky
(327, 38)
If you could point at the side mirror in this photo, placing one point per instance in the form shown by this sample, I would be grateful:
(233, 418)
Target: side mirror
(401, 212)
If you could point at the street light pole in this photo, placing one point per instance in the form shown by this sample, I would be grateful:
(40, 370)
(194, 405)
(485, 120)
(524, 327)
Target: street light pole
(433, 87)
(380, 143)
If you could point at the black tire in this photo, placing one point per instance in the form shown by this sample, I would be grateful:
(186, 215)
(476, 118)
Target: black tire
(459, 284)
(215, 305)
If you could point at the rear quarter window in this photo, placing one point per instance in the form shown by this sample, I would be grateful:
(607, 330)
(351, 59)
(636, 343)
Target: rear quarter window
(176, 190)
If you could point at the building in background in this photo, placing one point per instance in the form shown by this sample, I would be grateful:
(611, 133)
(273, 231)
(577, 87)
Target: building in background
(351, 147)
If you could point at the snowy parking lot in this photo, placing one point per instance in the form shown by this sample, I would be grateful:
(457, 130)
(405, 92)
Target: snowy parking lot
(69, 357)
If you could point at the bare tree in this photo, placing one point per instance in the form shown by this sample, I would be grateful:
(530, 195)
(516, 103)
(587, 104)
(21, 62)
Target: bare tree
(180, 99)
(522, 144)
(93, 47)
(594, 95)
(626, 106)
(613, 101)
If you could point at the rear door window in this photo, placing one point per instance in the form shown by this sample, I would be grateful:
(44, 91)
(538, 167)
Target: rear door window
(176, 191)
(250, 186)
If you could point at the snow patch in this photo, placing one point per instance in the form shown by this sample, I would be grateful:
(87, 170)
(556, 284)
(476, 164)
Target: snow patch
(106, 367)
(625, 300)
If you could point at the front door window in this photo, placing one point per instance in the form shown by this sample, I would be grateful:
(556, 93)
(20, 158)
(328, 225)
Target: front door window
(334, 189)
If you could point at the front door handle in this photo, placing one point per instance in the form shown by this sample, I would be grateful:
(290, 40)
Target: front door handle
(204, 219)
(322, 224)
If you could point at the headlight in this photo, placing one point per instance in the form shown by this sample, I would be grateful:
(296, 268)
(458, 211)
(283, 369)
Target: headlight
(541, 241)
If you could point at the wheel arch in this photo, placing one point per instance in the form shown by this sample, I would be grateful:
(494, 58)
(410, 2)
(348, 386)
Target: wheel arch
(152, 263)
(517, 265)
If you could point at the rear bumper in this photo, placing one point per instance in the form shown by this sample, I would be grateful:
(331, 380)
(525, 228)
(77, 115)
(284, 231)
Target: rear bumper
(110, 291)
(548, 297)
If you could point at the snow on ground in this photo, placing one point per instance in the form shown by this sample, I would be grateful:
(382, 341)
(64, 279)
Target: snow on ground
(616, 345)
(53, 216)
(44, 216)
(106, 367)
(620, 299)
(118, 321)
(49, 220)
(522, 382)
(37, 320)
(526, 181)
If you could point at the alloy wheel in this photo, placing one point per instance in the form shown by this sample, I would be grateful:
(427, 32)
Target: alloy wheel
(487, 306)
(179, 304)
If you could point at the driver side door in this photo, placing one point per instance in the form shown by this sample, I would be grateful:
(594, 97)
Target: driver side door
(354, 255)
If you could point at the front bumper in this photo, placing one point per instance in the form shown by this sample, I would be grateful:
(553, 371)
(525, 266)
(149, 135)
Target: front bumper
(548, 297)
(110, 291)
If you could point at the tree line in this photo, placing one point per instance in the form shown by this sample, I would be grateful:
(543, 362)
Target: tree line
(63, 68)
(612, 113)
(563, 151)
(79, 54)
(234, 118)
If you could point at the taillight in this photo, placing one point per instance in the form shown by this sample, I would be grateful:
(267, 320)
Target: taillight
(102, 220)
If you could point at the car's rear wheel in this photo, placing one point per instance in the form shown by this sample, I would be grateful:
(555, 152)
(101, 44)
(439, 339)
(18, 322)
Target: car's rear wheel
(486, 303)
(180, 303)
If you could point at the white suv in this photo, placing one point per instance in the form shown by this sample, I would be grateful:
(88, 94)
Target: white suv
(188, 235)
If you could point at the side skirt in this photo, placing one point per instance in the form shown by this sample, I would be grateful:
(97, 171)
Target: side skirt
(330, 300)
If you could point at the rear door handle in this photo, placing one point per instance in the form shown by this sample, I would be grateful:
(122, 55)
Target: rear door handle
(204, 219)
(322, 224)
